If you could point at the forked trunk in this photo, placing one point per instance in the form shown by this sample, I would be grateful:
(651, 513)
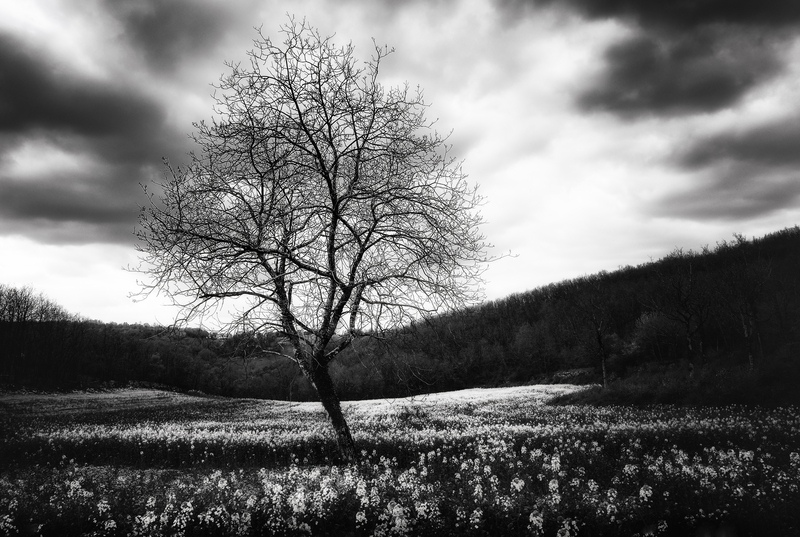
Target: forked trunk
(330, 402)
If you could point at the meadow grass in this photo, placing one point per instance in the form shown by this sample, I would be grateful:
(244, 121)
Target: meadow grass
(477, 462)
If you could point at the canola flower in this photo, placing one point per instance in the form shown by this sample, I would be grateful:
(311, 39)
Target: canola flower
(507, 465)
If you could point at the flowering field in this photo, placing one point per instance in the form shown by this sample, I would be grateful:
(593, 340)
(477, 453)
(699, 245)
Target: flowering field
(479, 462)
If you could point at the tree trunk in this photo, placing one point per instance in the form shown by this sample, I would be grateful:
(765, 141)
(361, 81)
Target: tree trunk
(330, 401)
(603, 355)
(759, 345)
(603, 365)
(747, 329)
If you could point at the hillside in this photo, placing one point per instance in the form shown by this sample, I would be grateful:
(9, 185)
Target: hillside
(720, 324)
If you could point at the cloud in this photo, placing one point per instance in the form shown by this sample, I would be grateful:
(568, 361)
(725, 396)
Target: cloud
(775, 144)
(676, 15)
(681, 57)
(169, 32)
(701, 71)
(40, 98)
(116, 101)
(741, 193)
(117, 130)
(707, 63)
(67, 209)
(748, 173)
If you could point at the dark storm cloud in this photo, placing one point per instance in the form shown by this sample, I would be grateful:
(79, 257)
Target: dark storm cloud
(62, 199)
(743, 174)
(69, 208)
(776, 144)
(678, 14)
(685, 56)
(169, 31)
(696, 72)
(742, 192)
(38, 97)
(116, 129)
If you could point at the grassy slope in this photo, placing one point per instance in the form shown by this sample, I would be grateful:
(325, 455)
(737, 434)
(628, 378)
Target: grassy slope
(116, 401)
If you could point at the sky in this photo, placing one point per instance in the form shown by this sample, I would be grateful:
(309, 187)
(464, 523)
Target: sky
(602, 133)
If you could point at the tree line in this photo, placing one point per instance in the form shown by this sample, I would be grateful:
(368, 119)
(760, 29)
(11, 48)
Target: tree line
(734, 305)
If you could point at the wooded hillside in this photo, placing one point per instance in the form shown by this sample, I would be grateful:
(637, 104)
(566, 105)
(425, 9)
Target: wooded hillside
(733, 307)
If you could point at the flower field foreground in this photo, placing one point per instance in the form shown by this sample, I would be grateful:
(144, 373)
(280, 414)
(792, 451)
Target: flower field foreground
(479, 462)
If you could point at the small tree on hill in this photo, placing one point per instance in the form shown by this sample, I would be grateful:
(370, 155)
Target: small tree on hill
(682, 294)
(320, 202)
(740, 289)
(592, 314)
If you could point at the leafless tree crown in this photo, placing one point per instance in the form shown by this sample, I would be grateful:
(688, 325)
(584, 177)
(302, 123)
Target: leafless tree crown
(320, 201)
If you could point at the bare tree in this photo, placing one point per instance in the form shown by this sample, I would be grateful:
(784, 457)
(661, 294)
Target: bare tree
(23, 304)
(321, 203)
(592, 311)
(682, 295)
(740, 288)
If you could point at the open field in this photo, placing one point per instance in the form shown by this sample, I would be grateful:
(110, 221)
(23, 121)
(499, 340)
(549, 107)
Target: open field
(497, 462)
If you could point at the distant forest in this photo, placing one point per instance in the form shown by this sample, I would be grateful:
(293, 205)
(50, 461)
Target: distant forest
(733, 307)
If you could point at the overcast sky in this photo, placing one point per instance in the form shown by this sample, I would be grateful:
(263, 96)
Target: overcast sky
(602, 132)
